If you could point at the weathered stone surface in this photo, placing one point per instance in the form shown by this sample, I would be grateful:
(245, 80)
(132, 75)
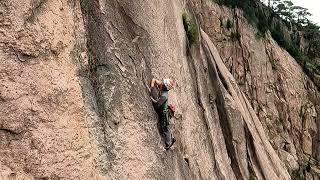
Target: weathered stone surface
(283, 97)
(73, 102)
(43, 127)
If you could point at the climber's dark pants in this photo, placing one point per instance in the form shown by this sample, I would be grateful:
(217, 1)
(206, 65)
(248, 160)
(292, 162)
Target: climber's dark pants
(164, 127)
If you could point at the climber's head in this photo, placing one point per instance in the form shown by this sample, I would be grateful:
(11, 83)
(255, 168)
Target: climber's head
(169, 84)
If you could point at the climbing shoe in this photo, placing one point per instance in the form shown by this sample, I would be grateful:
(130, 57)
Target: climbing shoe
(168, 147)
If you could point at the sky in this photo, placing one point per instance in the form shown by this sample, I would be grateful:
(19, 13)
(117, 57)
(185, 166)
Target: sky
(313, 7)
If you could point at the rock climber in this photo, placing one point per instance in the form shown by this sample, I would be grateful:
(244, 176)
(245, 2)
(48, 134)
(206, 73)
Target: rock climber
(159, 96)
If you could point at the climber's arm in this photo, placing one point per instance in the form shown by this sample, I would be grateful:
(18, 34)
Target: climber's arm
(155, 82)
(153, 100)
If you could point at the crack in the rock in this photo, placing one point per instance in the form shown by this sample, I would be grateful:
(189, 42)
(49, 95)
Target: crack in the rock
(9, 131)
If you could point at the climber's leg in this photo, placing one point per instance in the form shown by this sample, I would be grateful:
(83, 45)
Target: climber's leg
(167, 137)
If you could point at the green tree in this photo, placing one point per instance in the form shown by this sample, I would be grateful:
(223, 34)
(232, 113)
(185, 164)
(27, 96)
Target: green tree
(302, 15)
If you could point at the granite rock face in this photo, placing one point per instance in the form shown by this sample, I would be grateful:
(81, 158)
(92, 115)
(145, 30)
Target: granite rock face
(43, 128)
(74, 103)
(282, 95)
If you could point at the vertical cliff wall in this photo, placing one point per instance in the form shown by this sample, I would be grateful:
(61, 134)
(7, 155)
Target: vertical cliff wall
(73, 101)
(43, 127)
